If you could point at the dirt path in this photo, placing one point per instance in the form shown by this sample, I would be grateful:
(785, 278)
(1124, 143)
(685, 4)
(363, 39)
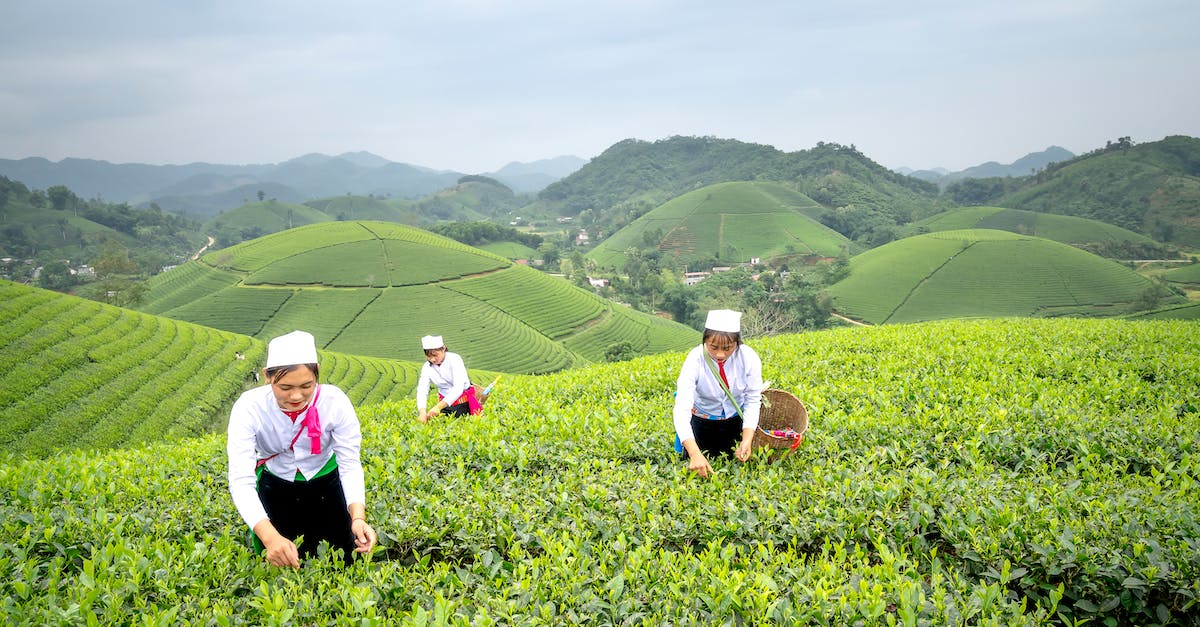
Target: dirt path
(204, 248)
(849, 320)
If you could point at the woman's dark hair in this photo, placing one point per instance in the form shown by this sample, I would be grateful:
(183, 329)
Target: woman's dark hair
(278, 372)
(736, 338)
(430, 351)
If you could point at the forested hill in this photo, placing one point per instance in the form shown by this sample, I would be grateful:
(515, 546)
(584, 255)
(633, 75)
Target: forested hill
(634, 176)
(1151, 188)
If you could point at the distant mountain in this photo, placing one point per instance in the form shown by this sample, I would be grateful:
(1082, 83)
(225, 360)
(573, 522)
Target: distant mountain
(1024, 166)
(203, 189)
(536, 175)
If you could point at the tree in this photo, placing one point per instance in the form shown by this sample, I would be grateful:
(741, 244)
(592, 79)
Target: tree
(550, 254)
(678, 301)
(56, 275)
(60, 197)
(621, 351)
(114, 260)
(261, 195)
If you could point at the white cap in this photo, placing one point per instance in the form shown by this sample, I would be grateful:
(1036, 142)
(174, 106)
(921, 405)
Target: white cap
(430, 342)
(725, 320)
(297, 347)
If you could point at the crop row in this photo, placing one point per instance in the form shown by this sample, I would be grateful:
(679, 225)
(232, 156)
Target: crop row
(413, 263)
(368, 380)
(49, 352)
(234, 309)
(555, 308)
(184, 284)
(322, 312)
(621, 325)
(257, 253)
(497, 342)
(348, 264)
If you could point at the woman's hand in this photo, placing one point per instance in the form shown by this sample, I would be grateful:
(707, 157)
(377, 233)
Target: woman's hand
(364, 535)
(423, 417)
(698, 464)
(282, 552)
(746, 446)
(743, 450)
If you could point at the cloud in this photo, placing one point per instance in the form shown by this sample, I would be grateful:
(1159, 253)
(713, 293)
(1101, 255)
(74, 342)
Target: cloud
(474, 84)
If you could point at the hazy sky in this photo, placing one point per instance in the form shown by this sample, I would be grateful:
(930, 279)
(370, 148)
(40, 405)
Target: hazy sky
(470, 85)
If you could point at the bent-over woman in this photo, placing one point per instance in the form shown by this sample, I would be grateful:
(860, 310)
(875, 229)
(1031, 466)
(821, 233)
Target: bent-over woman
(448, 373)
(294, 467)
(718, 395)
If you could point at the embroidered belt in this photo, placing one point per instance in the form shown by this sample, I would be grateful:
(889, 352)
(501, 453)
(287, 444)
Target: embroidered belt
(699, 414)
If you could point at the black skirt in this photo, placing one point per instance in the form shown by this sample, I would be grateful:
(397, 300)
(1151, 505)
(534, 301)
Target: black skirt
(314, 509)
(717, 437)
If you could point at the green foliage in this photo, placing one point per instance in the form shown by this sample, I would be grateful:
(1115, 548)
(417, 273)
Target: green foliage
(482, 233)
(256, 219)
(728, 221)
(954, 473)
(1151, 188)
(87, 375)
(371, 288)
(632, 177)
(1093, 236)
(983, 272)
(1189, 274)
(57, 225)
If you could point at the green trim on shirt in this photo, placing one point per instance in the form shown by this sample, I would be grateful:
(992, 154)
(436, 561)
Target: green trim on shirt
(329, 467)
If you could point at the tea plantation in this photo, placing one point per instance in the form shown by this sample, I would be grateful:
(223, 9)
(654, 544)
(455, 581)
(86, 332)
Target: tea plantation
(1001, 472)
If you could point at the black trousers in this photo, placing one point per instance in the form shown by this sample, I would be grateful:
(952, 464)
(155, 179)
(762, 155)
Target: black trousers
(313, 509)
(461, 409)
(717, 437)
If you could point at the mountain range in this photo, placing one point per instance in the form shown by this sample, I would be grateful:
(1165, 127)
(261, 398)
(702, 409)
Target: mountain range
(205, 189)
(1024, 166)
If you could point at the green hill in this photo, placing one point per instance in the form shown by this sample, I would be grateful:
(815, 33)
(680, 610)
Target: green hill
(1189, 275)
(982, 272)
(731, 222)
(261, 218)
(1152, 188)
(351, 207)
(55, 224)
(374, 288)
(83, 374)
(1091, 235)
(632, 177)
(999, 472)
(473, 198)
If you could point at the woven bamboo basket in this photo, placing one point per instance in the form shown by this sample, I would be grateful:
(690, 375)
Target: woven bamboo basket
(780, 410)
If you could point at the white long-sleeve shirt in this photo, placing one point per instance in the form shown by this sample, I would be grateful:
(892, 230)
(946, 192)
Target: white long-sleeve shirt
(450, 378)
(698, 387)
(258, 428)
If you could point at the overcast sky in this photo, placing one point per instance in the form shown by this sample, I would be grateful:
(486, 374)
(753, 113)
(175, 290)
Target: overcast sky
(471, 85)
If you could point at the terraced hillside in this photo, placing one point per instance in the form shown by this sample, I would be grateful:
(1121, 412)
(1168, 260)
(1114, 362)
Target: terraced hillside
(82, 374)
(374, 288)
(983, 272)
(729, 221)
(1066, 229)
